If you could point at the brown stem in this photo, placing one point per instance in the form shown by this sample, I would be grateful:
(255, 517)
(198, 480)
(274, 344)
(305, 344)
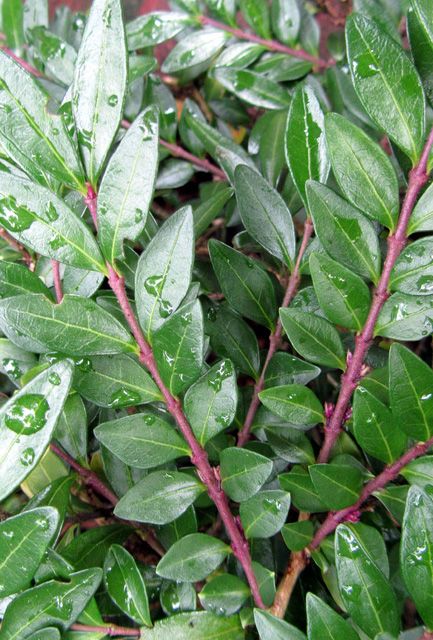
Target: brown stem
(272, 45)
(55, 266)
(275, 337)
(18, 247)
(199, 456)
(111, 630)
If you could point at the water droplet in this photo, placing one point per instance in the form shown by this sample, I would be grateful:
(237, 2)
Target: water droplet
(272, 505)
(54, 378)
(12, 368)
(149, 125)
(124, 398)
(168, 358)
(211, 314)
(217, 377)
(154, 285)
(364, 66)
(27, 414)
(27, 457)
(148, 419)
(51, 212)
(57, 243)
(15, 217)
(425, 284)
(139, 215)
(84, 364)
(113, 100)
(165, 308)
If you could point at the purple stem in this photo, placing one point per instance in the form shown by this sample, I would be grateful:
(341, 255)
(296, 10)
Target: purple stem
(275, 337)
(91, 203)
(199, 456)
(57, 280)
(112, 630)
(418, 177)
(18, 247)
(272, 45)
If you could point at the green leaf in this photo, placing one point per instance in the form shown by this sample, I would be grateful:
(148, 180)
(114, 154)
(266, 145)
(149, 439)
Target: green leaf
(16, 279)
(14, 362)
(232, 337)
(56, 494)
(256, 13)
(48, 633)
(54, 55)
(193, 55)
(298, 535)
(270, 130)
(422, 215)
(192, 558)
(114, 381)
(273, 628)
(246, 286)
(344, 232)
(290, 444)
(36, 139)
(295, 403)
(76, 326)
(375, 428)
(143, 440)
(160, 497)
(224, 594)
(306, 152)
(178, 348)
(210, 403)
(287, 369)
(127, 186)
(363, 170)
(337, 485)
(343, 296)
(210, 208)
(197, 625)
(366, 592)
(325, 624)
(53, 602)
(23, 541)
(286, 20)
(43, 222)
(12, 23)
(413, 271)
(314, 338)
(253, 88)
(304, 496)
(164, 271)
(264, 514)
(419, 472)
(71, 429)
(393, 497)
(416, 551)
(420, 32)
(90, 548)
(378, 66)
(243, 472)
(99, 84)
(156, 27)
(27, 422)
(405, 317)
(125, 585)
(265, 214)
(410, 387)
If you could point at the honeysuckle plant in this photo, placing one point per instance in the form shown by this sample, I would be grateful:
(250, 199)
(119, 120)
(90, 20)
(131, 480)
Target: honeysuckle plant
(216, 285)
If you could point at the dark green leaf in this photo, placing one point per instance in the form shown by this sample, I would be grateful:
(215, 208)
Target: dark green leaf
(286, 20)
(366, 592)
(16, 279)
(205, 213)
(198, 625)
(297, 535)
(393, 497)
(363, 170)
(27, 422)
(413, 271)
(256, 13)
(125, 585)
(337, 485)
(273, 628)
(253, 88)
(164, 271)
(422, 215)
(303, 493)
(14, 362)
(420, 471)
(224, 594)
(156, 27)
(57, 56)
(325, 624)
(193, 558)
(90, 548)
(420, 32)
(56, 495)
(143, 440)
(295, 403)
(193, 55)
(264, 514)
(344, 232)
(127, 186)
(417, 550)
(12, 23)
(76, 326)
(314, 338)
(210, 404)
(99, 84)
(246, 286)
(265, 214)
(387, 84)
(243, 472)
(287, 369)
(405, 317)
(160, 497)
(290, 444)
(71, 429)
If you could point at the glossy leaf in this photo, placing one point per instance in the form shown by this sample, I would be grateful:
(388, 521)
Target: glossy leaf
(76, 326)
(256, 13)
(143, 440)
(419, 471)
(164, 271)
(297, 535)
(272, 628)
(313, 337)
(194, 54)
(325, 624)
(413, 272)
(153, 28)
(243, 472)
(197, 625)
(306, 151)
(422, 214)
(210, 403)
(362, 170)
(286, 20)
(99, 84)
(127, 186)
(303, 494)
(71, 429)
(378, 66)
(27, 422)
(125, 585)
(14, 362)
(264, 514)
(160, 497)
(245, 284)
(224, 594)
(405, 317)
(295, 403)
(90, 548)
(253, 88)
(16, 279)
(193, 558)
(265, 214)
(420, 32)
(337, 485)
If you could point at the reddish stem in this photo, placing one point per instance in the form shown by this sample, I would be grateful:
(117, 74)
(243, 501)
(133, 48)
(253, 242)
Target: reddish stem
(272, 45)
(25, 65)
(418, 176)
(57, 280)
(199, 456)
(18, 247)
(91, 203)
(112, 630)
(275, 337)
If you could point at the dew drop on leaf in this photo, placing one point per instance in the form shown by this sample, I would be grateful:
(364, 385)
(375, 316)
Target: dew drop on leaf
(54, 378)
(27, 457)
(124, 398)
(28, 414)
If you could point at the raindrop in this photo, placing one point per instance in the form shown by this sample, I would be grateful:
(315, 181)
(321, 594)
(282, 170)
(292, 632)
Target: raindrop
(124, 398)
(113, 100)
(54, 378)
(51, 212)
(27, 415)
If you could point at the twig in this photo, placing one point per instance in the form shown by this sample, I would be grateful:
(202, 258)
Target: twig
(23, 63)
(199, 456)
(112, 630)
(275, 337)
(18, 247)
(272, 45)
(90, 201)
(55, 266)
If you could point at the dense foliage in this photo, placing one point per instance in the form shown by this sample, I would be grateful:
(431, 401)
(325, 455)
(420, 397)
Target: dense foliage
(216, 286)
